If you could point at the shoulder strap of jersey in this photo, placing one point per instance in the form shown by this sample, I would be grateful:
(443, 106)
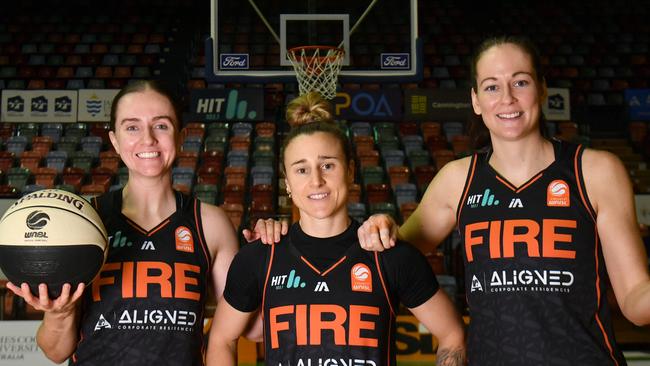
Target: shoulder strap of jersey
(198, 221)
(468, 183)
(270, 254)
(106, 202)
(383, 278)
(582, 188)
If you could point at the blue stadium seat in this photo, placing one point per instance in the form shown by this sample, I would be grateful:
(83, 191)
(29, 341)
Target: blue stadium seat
(57, 160)
(262, 175)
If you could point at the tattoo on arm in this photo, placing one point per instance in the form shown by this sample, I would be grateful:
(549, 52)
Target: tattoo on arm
(451, 357)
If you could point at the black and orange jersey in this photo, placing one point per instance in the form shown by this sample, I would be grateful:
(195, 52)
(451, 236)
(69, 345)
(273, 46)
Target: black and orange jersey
(146, 305)
(534, 269)
(336, 314)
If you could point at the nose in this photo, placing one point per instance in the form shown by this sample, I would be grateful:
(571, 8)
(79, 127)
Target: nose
(316, 178)
(508, 97)
(148, 136)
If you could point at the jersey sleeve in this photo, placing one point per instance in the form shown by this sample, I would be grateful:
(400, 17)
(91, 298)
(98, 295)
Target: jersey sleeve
(245, 280)
(409, 275)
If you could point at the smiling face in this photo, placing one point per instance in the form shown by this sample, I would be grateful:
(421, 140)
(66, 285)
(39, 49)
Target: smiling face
(146, 133)
(508, 93)
(318, 175)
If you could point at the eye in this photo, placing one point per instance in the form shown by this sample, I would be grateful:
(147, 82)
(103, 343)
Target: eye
(490, 88)
(131, 128)
(161, 126)
(301, 170)
(328, 166)
(521, 83)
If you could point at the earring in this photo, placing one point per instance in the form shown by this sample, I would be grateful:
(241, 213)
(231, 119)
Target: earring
(289, 193)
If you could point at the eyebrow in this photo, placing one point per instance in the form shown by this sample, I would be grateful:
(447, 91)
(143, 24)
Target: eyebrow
(135, 119)
(320, 157)
(514, 75)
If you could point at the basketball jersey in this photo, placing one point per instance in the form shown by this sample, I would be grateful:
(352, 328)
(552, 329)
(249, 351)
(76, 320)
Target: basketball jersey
(146, 305)
(534, 268)
(339, 315)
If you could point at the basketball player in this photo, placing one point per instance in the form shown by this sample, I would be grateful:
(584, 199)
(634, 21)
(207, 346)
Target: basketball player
(146, 305)
(324, 299)
(543, 224)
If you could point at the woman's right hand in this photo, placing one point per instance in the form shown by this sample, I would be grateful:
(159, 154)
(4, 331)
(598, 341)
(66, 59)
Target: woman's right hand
(65, 303)
(268, 231)
(377, 233)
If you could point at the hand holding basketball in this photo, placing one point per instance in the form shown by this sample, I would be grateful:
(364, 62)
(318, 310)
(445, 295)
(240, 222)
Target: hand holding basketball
(63, 304)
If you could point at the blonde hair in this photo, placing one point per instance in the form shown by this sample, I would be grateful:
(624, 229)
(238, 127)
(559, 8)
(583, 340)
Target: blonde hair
(310, 107)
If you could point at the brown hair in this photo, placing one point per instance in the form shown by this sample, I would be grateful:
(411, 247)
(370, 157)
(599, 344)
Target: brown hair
(142, 85)
(479, 133)
(308, 114)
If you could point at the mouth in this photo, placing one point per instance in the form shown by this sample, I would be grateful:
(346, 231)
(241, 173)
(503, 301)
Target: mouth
(148, 155)
(512, 115)
(318, 196)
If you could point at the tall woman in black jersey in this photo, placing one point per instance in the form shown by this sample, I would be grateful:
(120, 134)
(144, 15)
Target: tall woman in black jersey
(543, 223)
(165, 249)
(324, 299)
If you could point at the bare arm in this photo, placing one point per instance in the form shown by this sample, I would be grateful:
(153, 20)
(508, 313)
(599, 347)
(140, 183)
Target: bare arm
(430, 223)
(440, 317)
(223, 244)
(58, 334)
(610, 192)
(228, 324)
(435, 216)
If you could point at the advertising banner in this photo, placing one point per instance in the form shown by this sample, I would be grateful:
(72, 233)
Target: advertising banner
(95, 104)
(39, 106)
(369, 105)
(557, 106)
(638, 104)
(18, 344)
(437, 105)
(227, 105)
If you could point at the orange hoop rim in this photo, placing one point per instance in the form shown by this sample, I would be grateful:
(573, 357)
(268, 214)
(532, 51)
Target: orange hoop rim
(294, 52)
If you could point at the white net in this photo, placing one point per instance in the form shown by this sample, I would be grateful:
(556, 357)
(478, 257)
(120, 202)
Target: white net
(317, 68)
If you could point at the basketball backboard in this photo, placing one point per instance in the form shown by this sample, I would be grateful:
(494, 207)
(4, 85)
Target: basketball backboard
(249, 38)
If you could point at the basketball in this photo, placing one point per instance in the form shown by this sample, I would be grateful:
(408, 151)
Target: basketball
(53, 237)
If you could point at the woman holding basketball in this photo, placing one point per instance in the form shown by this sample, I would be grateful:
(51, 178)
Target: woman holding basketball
(324, 299)
(543, 224)
(165, 249)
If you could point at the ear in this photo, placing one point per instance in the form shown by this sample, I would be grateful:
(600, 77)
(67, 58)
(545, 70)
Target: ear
(286, 184)
(113, 138)
(475, 104)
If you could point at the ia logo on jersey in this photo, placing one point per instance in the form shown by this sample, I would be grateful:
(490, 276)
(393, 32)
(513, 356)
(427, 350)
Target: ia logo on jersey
(484, 199)
(516, 203)
(147, 245)
(102, 323)
(476, 284)
(321, 286)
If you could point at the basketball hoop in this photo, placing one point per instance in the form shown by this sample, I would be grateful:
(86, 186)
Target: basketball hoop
(317, 68)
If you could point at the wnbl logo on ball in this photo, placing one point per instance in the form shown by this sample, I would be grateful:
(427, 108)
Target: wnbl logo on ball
(36, 220)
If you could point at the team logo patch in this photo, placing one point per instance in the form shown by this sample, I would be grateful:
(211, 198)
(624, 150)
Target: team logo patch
(184, 241)
(361, 278)
(557, 194)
